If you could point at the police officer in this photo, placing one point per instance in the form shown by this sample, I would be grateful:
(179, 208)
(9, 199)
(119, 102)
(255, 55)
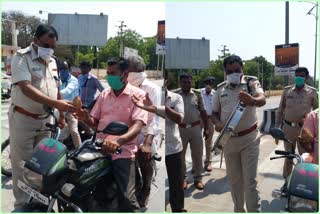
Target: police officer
(242, 149)
(207, 94)
(35, 84)
(190, 129)
(296, 102)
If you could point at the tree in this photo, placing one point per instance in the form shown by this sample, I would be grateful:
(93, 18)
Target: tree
(26, 25)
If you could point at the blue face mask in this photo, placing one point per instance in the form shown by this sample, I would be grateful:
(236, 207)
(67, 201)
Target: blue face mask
(299, 81)
(114, 82)
(64, 75)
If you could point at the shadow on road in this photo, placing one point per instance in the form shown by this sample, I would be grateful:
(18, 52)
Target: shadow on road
(275, 205)
(4, 184)
(271, 175)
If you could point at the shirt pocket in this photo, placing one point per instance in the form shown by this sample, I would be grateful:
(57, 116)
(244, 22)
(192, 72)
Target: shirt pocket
(37, 77)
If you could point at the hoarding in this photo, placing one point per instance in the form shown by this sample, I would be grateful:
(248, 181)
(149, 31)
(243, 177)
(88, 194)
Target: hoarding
(187, 53)
(286, 59)
(76, 29)
(160, 47)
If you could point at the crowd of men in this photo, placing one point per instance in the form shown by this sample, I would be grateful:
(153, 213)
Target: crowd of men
(191, 116)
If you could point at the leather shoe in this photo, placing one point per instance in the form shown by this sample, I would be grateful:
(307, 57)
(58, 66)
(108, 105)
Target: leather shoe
(185, 184)
(208, 168)
(199, 185)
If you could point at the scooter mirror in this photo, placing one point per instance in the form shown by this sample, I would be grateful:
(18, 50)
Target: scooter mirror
(116, 128)
(278, 133)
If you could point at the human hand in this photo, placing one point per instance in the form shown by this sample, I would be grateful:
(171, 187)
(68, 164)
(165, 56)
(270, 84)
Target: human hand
(143, 103)
(246, 98)
(109, 146)
(61, 122)
(65, 106)
(145, 151)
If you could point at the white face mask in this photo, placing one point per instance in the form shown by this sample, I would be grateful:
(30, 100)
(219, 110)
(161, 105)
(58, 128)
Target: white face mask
(45, 53)
(234, 78)
(136, 79)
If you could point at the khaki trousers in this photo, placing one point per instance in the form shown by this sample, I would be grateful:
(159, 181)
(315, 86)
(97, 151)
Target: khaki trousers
(23, 138)
(292, 134)
(194, 137)
(208, 145)
(241, 158)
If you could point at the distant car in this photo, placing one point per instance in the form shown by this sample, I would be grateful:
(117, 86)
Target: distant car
(5, 86)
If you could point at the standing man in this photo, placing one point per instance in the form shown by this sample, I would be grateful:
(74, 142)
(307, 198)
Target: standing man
(114, 104)
(89, 84)
(35, 84)
(207, 94)
(242, 149)
(296, 102)
(70, 90)
(173, 111)
(190, 129)
(149, 135)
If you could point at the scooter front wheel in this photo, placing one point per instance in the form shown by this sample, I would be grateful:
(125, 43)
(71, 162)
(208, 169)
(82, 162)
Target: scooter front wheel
(6, 168)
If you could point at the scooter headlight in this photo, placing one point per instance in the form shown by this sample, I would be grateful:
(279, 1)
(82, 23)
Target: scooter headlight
(298, 204)
(32, 178)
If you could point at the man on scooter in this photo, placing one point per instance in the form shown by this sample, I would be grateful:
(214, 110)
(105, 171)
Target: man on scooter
(114, 104)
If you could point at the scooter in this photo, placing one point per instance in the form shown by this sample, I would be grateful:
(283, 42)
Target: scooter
(301, 190)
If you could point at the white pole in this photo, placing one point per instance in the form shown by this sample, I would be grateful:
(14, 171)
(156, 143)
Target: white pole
(14, 34)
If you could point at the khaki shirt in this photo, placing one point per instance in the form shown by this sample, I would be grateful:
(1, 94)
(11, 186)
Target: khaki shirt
(193, 105)
(226, 99)
(26, 66)
(293, 106)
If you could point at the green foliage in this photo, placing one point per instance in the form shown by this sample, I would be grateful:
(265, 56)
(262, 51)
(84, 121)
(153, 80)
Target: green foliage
(80, 57)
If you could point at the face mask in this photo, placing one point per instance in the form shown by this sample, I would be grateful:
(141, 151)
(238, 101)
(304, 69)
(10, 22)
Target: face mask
(114, 82)
(136, 79)
(299, 81)
(234, 78)
(64, 75)
(45, 53)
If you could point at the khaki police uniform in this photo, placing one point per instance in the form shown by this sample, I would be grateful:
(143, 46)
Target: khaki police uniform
(293, 108)
(190, 131)
(23, 136)
(240, 152)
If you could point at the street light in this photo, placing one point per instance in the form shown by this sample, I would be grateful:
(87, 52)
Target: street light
(315, 6)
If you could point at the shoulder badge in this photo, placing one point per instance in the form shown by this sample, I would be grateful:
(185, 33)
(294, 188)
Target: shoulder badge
(24, 51)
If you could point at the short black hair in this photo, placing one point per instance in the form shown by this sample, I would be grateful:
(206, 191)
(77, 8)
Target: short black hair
(232, 59)
(303, 69)
(209, 79)
(85, 63)
(120, 61)
(43, 29)
(185, 76)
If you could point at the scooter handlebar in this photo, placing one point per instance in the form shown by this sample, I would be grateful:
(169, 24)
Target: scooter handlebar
(280, 152)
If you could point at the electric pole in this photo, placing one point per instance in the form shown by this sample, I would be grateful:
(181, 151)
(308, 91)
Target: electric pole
(223, 51)
(120, 33)
(286, 77)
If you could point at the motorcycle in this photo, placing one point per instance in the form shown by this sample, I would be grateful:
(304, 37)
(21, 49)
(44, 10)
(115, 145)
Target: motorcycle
(301, 189)
(79, 181)
(5, 87)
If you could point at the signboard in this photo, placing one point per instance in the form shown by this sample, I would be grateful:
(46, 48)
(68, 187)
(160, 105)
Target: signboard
(76, 29)
(160, 47)
(286, 59)
(129, 52)
(187, 53)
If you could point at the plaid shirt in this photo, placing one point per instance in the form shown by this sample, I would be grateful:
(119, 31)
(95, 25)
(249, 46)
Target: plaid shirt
(88, 85)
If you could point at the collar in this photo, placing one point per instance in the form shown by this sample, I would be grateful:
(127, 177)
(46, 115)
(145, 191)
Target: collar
(294, 88)
(169, 93)
(34, 54)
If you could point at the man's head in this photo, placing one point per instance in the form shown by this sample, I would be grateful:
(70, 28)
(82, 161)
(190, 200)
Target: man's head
(136, 70)
(64, 69)
(44, 41)
(233, 68)
(85, 67)
(185, 82)
(208, 82)
(301, 74)
(117, 73)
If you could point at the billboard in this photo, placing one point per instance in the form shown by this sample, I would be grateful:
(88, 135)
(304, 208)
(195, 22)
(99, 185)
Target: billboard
(160, 47)
(187, 53)
(76, 29)
(286, 59)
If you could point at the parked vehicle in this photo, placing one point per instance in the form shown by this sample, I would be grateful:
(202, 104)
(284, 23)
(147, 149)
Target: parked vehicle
(5, 86)
(301, 190)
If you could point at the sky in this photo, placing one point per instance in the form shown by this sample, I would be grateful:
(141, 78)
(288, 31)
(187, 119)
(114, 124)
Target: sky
(248, 29)
(140, 16)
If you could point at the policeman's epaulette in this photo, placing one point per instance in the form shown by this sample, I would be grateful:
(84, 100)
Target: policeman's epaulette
(248, 77)
(175, 90)
(24, 50)
(287, 87)
(221, 84)
(312, 88)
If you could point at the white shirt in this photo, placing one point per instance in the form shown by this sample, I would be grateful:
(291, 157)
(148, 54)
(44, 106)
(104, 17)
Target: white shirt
(153, 122)
(208, 100)
(172, 140)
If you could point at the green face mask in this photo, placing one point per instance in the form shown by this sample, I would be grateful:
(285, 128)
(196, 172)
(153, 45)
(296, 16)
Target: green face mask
(114, 82)
(299, 81)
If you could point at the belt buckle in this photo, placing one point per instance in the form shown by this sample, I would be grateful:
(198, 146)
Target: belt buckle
(188, 126)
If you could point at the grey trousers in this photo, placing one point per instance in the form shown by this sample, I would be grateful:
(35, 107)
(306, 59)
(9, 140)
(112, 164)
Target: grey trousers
(23, 138)
(241, 162)
(194, 137)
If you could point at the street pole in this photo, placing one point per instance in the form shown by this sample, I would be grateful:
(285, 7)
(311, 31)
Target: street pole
(262, 74)
(121, 26)
(286, 77)
(14, 34)
(315, 48)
